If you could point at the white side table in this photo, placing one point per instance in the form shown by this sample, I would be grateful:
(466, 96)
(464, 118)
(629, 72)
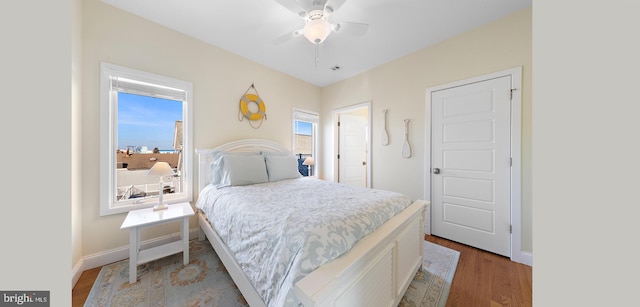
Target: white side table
(138, 219)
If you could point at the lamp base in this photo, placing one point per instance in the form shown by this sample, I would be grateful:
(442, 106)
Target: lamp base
(160, 207)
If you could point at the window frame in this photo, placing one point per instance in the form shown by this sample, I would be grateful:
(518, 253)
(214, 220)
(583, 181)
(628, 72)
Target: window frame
(314, 119)
(109, 132)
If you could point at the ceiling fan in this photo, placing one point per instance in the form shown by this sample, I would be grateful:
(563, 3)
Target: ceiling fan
(317, 26)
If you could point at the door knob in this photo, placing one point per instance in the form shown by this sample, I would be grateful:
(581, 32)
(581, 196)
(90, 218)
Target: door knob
(364, 162)
(436, 171)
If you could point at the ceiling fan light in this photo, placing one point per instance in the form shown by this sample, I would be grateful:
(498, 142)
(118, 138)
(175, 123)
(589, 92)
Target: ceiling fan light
(316, 31)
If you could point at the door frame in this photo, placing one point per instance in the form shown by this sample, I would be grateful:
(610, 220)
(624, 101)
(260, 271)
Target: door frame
(336, 137)
(516, 154)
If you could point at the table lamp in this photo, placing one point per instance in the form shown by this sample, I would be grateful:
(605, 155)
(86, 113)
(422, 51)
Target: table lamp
(309, 162)
(161, 169)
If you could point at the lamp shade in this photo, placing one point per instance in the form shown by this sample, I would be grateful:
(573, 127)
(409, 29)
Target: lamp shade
(309, 161)
(317, 30)
(161, 169)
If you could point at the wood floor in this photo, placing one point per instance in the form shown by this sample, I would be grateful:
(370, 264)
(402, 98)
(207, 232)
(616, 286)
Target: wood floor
(481, 279)
(486, 279)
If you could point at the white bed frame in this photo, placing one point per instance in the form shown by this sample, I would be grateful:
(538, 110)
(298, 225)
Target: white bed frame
(376, 272)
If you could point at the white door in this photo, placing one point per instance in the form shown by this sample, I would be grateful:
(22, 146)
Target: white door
(470, 166)
(352, 146)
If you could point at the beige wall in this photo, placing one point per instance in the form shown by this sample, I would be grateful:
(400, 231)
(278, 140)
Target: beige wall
(400, 86)
(219, 80)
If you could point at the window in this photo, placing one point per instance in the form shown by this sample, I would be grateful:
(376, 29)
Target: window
(305, 140)
(144, 119)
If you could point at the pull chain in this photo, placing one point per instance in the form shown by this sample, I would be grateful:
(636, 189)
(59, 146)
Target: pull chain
(316, 57)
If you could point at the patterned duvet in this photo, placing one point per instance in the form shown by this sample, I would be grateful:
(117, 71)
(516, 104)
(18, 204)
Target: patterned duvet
(281, 231)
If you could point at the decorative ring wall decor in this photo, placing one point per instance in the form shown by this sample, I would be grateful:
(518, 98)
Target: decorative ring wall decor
(244, 107)
(249, 102)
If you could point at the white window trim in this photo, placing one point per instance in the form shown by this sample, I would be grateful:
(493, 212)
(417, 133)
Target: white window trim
(108, 146)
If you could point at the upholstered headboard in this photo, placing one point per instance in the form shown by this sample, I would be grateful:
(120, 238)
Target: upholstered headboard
(247, 145)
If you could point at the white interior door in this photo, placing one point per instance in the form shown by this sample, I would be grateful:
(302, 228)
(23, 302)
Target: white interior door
(470, 164)
(352, 168)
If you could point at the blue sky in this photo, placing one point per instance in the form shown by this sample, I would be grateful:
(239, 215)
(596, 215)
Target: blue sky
(147, 121)
(303, 128)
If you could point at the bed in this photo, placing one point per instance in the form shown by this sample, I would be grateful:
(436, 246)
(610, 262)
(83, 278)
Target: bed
(368, 262)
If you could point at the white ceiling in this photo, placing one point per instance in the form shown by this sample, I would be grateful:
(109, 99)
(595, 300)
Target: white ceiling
(249, 27)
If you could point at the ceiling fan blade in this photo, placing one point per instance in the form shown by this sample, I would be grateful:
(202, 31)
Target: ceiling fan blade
(293, 6)
(311, 5)
(333, 5)
(286, 37)
(351, 28)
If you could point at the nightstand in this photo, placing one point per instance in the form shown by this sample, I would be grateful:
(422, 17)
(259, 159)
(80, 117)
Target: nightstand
(138, 219)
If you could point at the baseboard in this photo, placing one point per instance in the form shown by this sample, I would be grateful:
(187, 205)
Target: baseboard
(113, 255)
(523, 257)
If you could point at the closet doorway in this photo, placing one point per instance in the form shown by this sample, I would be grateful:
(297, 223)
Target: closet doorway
(352, 145)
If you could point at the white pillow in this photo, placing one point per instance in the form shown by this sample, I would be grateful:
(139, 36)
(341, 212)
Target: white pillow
(242, 170)
(216, 163)
(282, 167)
(277, 154)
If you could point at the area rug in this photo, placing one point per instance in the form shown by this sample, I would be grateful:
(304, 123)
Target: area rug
(205, 281)
(430, 287)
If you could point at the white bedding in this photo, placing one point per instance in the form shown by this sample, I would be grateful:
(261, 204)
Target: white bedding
(280, 231)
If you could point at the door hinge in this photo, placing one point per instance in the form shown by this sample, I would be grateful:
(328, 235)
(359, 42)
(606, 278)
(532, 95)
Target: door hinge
(511, 93)
(338, 156)
(338, 124)
(510, 228)
(510, 161)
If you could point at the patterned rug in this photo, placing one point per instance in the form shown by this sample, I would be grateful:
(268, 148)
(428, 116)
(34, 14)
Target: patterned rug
(205, 281)
(431, 286)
